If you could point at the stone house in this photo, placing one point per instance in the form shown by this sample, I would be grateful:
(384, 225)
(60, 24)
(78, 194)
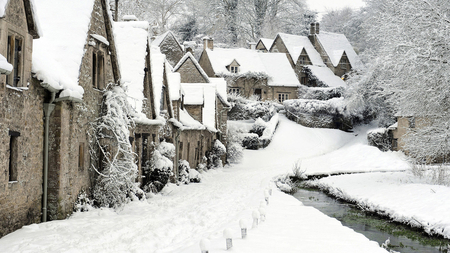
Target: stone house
(74, 70)
(264, 45)
(251, 73)
(21, 118)
(169, 46)
(404, 124)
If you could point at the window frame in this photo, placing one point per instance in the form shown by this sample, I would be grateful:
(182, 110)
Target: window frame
(13, 172)
(98, 69)
(15, 58)
(283, 97)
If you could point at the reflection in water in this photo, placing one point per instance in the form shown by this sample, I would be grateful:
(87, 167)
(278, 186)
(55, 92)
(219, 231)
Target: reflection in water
(401, 237)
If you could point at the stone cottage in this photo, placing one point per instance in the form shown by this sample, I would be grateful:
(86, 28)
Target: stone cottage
(169, 46)
(251, 73)
(21, 118)
(74, 70)
(264, 45)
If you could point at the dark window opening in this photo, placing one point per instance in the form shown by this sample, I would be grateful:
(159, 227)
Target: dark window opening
(81, 156)
(14, 56)
(257, 93)
(98, 75)
(13, 155)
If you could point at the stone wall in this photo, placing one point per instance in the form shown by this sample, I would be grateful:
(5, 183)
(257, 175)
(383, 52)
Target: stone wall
(170, 47)
(196, 111)
(194, 144)
(189, 73)
(205, 63)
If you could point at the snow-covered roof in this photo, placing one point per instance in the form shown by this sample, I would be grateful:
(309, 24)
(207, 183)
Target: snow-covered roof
(157, 60)
(202, 94)
(131, 43)
(335, 44)
(189, 122)
(174, 80)
(57, 55)
(160, 38)
(186, 56)
(295, 45)
(279, 69)
(275, 65)
(221, 89)
(327, 76)
(35, 22)
(267, 43)
(5, 67)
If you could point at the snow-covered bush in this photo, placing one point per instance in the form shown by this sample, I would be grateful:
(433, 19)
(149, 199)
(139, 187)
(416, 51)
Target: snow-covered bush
(111, 151)
(194, 176)
(235, 152)
(258, 127)
(380, 138)
(203, 165)
(305, 92)
(159, 168)
(251, 141)
(214, 156)
(183, 170)
(83, 203)
(243, 108)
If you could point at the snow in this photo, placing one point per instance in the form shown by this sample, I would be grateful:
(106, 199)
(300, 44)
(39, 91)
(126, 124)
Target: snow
(189, 122)
(202, 94)
(3, 4)
(5, 67)
(37, 26)
(174, 81)
(275, 65)
(100, 38)
(186, 56)
(129, 18)
(295, 44)
(335, 44)
(267, 43)
(325, 75)
(157, 60)
(58, 53)
(221, 89)
(131, 43)
(180, 217)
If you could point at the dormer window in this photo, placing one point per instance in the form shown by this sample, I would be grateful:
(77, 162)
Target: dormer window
(14, 56)
(234, 69)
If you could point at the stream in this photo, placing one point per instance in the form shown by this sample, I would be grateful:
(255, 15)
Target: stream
(403, 238)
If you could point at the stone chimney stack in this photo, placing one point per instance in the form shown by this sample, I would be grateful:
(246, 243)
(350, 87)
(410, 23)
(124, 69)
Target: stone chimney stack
(252, 45)
(315, 28)
(208, 42)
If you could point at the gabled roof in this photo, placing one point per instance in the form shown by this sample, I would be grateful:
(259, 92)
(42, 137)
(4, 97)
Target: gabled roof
(295, 45)
(232, 63)
(30, 10)
(160, 38)
(202, 94)
(275, 65)
(267, 43)
(325, 75)
(189, 56)
(335, 44)
(58, 54)
(132, 43)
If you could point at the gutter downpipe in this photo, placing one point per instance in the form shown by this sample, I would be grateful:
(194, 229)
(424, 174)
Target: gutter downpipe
(48, 109)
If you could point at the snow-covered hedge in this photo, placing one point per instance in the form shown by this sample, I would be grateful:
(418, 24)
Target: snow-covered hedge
(159, 168)
(305, 92)
(320, 114)
(214, 156)
(183, 170)
(244, 109)
(380, 138)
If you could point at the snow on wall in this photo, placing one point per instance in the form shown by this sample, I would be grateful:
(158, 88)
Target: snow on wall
(295, 44)
(275, 65)
(157, 65)
(131, 43)
(5, 67)
(327, 76)
(58, 53)
(334, 44)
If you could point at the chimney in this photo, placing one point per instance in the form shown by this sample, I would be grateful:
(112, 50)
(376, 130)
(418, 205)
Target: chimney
(208, 42)
(317, 28)
(252, 45)
(313, 29)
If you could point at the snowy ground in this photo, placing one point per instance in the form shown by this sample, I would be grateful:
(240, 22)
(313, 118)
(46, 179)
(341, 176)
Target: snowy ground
(178, 218)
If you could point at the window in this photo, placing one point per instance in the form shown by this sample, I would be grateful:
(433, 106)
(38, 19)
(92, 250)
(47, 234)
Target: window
(188, 151)
(81, 156)
(13, 155)
(302, 60)
(234, 69)
(282, 97)
(233, 91)
(303, 80)
(180, 150)
(394, 144)
(14, 56)
(344, 64)
(257, 93)
(98, 74)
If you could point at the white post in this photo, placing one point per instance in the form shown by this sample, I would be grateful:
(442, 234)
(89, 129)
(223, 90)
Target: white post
(266, 195)
(243, 226)
(262, 211)
(256, 216)
(204, 245)
(228, 234)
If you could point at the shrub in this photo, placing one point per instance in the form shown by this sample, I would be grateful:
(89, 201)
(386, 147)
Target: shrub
(305, 92)
(214, 156)
(380, 138)
(235, 152)
(183, 169)
(251, 141)
(159, 168)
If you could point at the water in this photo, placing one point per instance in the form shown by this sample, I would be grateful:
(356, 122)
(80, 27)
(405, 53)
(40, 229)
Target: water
(403, 238)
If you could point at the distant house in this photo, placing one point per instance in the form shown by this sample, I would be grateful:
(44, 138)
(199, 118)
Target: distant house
(251, 73)
(169, 46)
(264, 45)
(21, 120)
(203, 111)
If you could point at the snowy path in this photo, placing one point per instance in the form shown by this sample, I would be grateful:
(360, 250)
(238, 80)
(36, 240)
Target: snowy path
(176, 220)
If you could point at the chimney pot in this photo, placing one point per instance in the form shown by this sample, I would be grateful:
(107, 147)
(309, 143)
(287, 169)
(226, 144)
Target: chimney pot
(317, 28)
(208, 42)
(313, 29)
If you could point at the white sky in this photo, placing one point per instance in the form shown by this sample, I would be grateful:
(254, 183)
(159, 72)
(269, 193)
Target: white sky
(322, 5)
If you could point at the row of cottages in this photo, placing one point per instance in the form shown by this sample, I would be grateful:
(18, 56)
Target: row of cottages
(319, 59)
(52, 86)
(251, 73)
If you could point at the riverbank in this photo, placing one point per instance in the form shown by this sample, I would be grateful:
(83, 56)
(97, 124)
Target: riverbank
(180, 216)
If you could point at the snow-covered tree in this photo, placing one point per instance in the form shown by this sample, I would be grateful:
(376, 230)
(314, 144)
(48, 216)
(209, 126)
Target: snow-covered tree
(413, 68)
(111, 151)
